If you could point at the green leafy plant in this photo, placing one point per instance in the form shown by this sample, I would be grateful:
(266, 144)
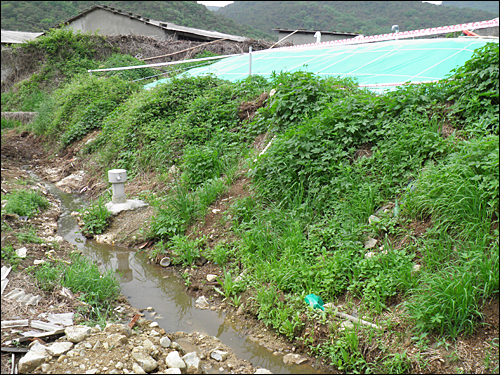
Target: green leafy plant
(185, 250)
(96, 218)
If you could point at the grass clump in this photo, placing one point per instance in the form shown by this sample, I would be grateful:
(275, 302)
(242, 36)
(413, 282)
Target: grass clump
(96, 218)
(25, 203)
(82, 276)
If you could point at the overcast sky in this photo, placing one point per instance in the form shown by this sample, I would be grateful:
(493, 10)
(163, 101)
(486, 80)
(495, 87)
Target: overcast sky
(224, 3)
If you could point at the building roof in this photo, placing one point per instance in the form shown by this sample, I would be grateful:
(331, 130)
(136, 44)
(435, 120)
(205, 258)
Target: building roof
(15, 37)
(304, 31)
(213, 35)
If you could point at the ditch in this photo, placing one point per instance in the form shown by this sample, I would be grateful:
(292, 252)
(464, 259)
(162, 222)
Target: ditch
(150, 285)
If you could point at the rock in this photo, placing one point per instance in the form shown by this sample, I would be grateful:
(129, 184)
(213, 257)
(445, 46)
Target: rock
(211, 278)
(373, 219)
(192, 363)
(173, 360)
(116, 340)
(21, 253)
(32, 360)
(416, 267)
(149, 346)
(295, 359)
(165, 342)
(154, 333)
(262, 371)
(177, 346)
(45, 367)
(345, 324)
(219, 355)
(202, 303)
(59, 348)
(239, 311)
(370, 243)
(154, 324)
(122, 329)
(82, 367)
(136, 369)
(76, 334)
(119, 366)
(144, 360)
(92, 371)
(149, 308)
(172, 371)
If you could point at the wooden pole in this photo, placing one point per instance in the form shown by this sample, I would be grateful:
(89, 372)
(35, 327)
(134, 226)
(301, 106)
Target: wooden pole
(175, 53)
(283, 39)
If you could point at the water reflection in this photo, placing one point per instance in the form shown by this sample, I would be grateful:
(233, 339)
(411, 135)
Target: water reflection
(151, 285)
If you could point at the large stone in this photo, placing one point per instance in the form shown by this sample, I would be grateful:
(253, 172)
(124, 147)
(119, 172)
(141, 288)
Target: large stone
(149, 346)
(122, 329)
(34, 358)
(165, 342)
(174, 360)
(144, 360)
(295, 359)
(219, 355)
(262, 371)
(173, 371)
(116, 339)
(192, 363)
(77, 334)
(59, 348)
(136, 369)
(202, 303)
(370, 243)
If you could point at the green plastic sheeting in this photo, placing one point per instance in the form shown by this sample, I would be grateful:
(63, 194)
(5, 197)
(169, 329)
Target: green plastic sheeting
(379, 66)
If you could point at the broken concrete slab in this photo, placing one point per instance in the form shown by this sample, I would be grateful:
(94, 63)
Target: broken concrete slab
(15, 323)
(5, 272)
(20, 296)
(65, 319)
(44, 326)
(130, 204)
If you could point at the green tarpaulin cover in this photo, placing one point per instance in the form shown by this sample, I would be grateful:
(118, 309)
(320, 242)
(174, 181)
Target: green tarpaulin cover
(378, 66)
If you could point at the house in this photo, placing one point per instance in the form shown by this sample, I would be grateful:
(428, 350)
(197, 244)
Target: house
(308, 36)
(107, 20)
(15, 37)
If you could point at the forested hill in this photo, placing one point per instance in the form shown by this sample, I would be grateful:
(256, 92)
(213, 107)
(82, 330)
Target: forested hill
(37, 16)
(487, 6)
(366, 17)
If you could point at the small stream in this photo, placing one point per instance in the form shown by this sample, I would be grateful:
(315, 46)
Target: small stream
(146, 285)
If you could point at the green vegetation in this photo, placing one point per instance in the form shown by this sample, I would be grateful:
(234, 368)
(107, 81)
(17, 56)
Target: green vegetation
(36, 17)
(25, 203)
(368, 18)
(83, 277)
(10, 256)
(344, 165)
(96, 218)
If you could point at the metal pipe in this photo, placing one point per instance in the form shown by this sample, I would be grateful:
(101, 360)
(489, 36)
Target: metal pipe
(250, 61)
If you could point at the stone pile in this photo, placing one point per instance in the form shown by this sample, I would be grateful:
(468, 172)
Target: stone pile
(118, 349)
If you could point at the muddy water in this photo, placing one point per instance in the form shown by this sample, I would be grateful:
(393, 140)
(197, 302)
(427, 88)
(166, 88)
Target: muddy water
(147, 285)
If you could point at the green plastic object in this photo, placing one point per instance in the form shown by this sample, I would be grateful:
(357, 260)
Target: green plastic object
(379, 66)
(315, 301)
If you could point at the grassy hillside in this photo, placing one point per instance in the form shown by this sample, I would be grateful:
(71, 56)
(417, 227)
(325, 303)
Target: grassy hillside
(385, 205)
(40, 15)
(366, 17)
